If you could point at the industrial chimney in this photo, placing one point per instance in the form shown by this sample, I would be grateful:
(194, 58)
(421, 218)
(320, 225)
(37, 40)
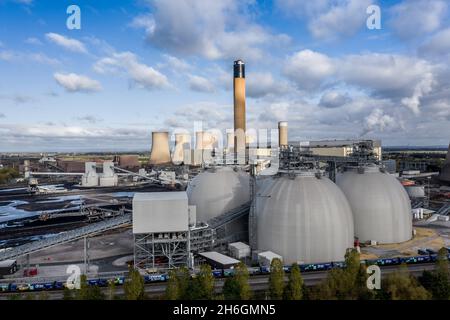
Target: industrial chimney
(282, 133)
(239, 108)
(160, 153)
(182, 142)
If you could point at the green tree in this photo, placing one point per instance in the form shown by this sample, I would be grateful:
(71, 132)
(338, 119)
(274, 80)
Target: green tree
(134, 286)
(183, 280)
(400, 285)
(438, 282)
(172, 290)
(202, 286)
(111, 290)
(88, 292)
(82, 293)
(67, 294)
(294, 288)
(345, 284)
(276, 279)
(237, 286)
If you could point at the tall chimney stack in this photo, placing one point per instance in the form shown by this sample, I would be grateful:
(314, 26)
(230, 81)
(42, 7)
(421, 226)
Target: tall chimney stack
(239, 108)
(282, 133)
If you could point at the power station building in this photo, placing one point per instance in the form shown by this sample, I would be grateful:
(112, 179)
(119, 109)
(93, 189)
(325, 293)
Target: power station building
(288, 208)
(341, 148)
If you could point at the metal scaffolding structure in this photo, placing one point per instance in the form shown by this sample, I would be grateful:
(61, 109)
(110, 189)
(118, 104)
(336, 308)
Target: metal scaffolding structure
(160, 250)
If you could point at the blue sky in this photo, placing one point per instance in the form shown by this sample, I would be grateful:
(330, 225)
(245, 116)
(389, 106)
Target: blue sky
(143, 65)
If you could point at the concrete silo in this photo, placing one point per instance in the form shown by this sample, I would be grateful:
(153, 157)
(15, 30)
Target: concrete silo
(218, 191)
(160, 153)
(380, 205)
(305, 218)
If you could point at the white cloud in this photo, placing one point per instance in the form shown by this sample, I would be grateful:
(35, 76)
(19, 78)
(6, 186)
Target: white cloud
(200, 84)
(260, 84)
(343, 19)
(211, 29)
(8, 55)
(379, 121)
(377, 74)
(176, 64)
(437, 45)
(140, 74)
(67, 43)
(413, 18)
(17, 98)
(308, 69)
(33, 41)
(90, 119)
(77, 83)
(2, 115)
(329, 19)
(334, 99)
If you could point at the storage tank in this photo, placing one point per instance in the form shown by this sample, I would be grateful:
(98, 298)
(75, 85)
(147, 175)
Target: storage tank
(380, 205)
(305, 218)
(217, 191)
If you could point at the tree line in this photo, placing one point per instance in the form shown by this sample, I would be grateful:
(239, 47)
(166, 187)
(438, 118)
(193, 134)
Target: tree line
(349, 283)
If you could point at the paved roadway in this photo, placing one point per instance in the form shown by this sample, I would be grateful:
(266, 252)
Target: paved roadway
(258, 283)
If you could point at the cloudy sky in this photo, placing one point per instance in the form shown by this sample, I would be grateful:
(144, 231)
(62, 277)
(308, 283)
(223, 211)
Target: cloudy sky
(142, 65)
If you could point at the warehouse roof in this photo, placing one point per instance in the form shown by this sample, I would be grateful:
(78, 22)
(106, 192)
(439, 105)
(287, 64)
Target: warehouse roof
(219, 258)
(169, 196)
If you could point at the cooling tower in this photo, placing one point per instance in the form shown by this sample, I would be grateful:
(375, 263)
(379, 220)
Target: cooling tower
(230, 141)
(282, 133)
(182, 143)
(239, 107)
(204, 140)
(445, 171)
(305, 219)
(380, 205)
(160, 153)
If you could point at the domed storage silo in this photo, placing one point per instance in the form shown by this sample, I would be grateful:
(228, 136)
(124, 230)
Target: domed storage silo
(380, 205)
(304, 219)
(218, 191)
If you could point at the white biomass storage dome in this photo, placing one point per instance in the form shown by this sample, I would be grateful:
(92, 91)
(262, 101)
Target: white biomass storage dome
(218, 191)
(380, 205)
(303, 219)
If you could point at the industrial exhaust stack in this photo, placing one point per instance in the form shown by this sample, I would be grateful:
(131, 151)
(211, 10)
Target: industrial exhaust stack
(282, 133)
(160, 153)
(239, 109)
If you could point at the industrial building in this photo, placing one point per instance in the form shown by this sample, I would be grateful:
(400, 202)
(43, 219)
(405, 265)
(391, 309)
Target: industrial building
(301, 204)
(341, 148)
